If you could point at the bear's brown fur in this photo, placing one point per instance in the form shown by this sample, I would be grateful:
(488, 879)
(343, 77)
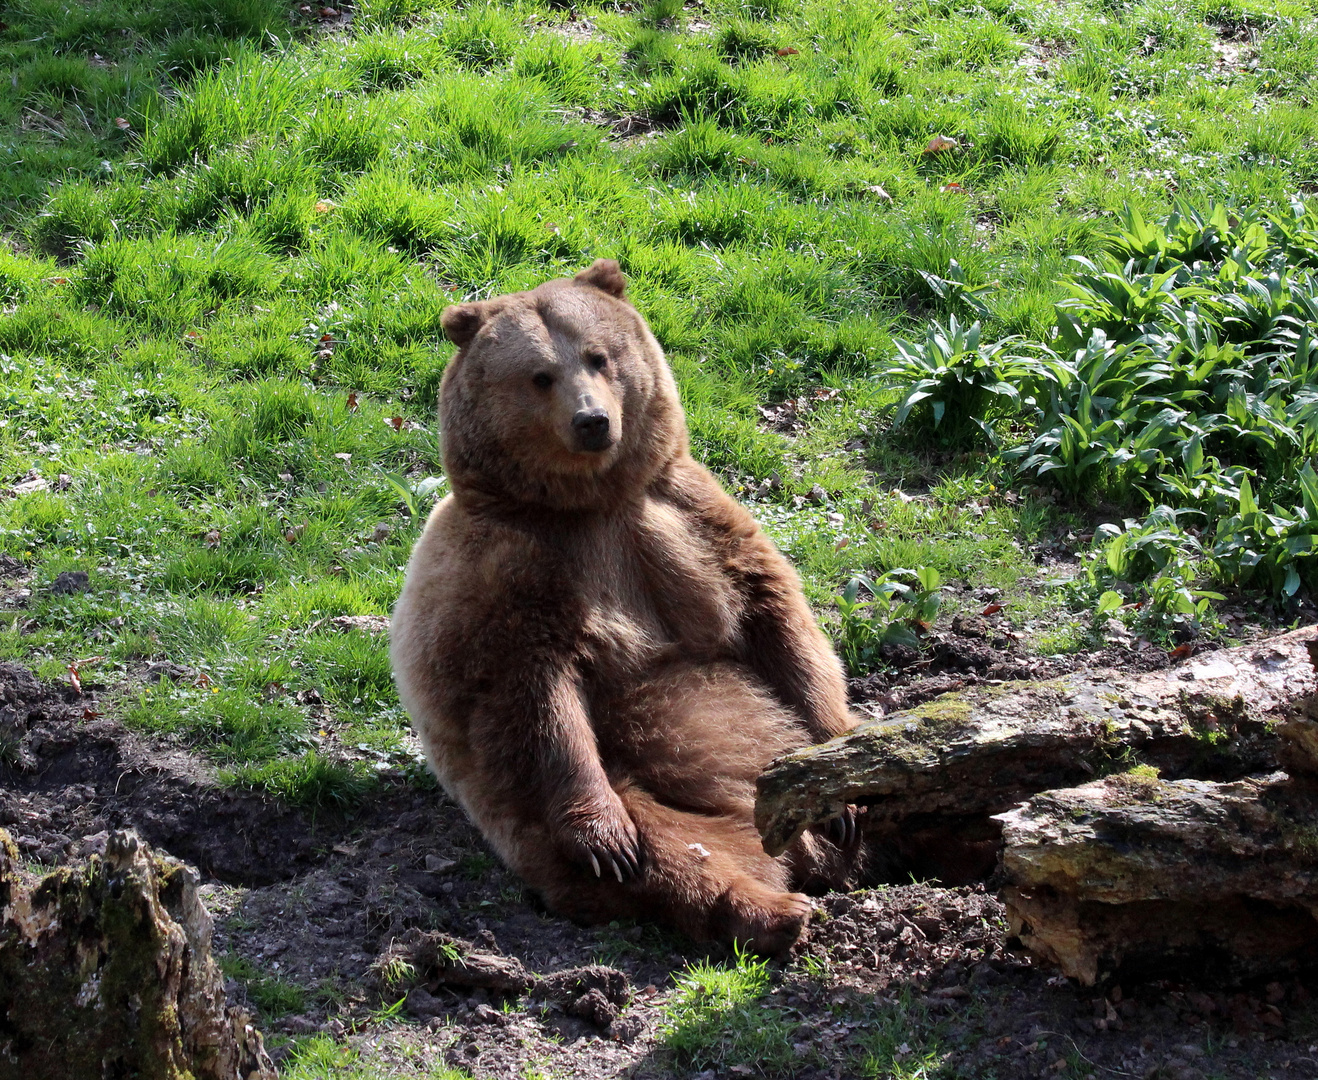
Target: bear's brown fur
(599, 648)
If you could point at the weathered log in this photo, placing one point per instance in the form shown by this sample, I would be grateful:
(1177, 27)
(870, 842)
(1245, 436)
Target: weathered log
(106, 970)
(967, 756)
(1191, 873)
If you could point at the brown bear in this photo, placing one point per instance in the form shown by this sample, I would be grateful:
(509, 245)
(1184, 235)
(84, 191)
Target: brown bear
(599, 648)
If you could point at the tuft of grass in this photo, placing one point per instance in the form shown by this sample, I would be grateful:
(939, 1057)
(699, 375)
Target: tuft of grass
(321, 1058)
(309, 781)
(719, 1018)
(272, 995)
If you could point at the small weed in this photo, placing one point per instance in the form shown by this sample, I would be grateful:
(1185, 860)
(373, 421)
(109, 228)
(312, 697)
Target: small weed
(476, 865)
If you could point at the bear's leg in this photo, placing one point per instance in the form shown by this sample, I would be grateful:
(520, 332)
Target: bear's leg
(703, 874)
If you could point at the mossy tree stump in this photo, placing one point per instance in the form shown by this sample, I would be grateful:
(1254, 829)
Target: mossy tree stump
(106, 971)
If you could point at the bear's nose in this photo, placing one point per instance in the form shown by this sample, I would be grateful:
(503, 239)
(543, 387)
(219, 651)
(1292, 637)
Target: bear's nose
(592, 428)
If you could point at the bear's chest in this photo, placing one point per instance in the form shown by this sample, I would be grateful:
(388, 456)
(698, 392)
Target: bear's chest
(654, 591)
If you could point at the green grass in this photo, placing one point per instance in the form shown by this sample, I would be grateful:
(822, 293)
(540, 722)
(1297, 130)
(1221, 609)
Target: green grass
(219, 321)
(320, 1058)
(720, 1017)
(272, 995)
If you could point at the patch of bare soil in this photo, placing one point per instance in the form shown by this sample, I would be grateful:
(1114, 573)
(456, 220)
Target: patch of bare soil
(321, 906)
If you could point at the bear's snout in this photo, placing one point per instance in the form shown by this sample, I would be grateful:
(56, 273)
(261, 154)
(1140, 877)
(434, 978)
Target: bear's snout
(591, 428)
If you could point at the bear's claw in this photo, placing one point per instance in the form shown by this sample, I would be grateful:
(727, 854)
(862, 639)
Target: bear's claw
(844, 830)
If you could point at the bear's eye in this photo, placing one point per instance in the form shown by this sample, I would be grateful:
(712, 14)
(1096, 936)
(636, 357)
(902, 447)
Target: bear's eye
(597, 358)
(543, 381)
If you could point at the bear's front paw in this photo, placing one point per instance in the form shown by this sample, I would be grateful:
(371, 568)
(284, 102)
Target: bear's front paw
(604, 837)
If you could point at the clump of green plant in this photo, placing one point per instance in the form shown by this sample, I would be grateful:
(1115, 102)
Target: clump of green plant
(901, 605)
(1278, 548)
(718, 1018)
(1147, 570)
(958, 386)
(1139, 782)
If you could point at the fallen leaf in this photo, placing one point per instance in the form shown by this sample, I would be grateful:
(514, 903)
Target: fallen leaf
(1181, 652)
(952, 187)
(345, 458)
(203, 679)
(992, 609)
(396, 422)
(841, 544)
(90, 714)
(56, 280)
(352, 401)
(788, 51)
(324, 206)
(74, 681)
(212, 538)
(939, 143)
(121, 123)
(874, 189)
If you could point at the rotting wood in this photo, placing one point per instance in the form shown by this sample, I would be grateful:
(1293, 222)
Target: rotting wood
(106, 970)
(1139, 820)
(1186, 872)
(980, 752)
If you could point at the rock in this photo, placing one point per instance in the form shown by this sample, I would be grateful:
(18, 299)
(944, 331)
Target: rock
(964, 757)
(436, 865)
(110, 961)
(487, 1014)
(1132, 870)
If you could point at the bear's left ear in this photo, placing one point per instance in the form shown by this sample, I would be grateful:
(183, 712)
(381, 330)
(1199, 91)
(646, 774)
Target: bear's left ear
(462, 321)
(604, 274)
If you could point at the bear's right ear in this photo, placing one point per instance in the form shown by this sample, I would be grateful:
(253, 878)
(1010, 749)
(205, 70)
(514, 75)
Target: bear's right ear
(462, 321)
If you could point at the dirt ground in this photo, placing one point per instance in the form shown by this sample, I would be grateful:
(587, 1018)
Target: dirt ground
(904, 980)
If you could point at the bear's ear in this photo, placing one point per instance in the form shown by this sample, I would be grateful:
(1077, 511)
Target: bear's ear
(462, 321)
(604, 274)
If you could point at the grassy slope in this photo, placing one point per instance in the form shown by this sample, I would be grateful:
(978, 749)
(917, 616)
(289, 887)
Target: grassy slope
(230, 236)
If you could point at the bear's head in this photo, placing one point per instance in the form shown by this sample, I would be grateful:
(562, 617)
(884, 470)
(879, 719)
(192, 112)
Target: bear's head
(559, 397)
